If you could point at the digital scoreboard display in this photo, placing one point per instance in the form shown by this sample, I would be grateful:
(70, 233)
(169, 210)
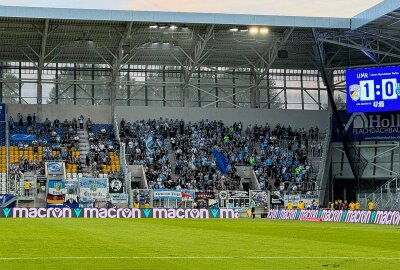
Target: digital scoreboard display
(373, 89)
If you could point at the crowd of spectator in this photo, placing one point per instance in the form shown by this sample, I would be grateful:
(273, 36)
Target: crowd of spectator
(103, 147)
(278, 155)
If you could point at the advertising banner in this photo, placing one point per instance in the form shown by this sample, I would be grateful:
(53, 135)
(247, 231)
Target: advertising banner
(115, 185)
(57, 187)
(41, 179)
(238, 194)
(160, 194)
(365, 217)
(205, 199)
(276, 199)
(369, 126)
(91, 189)
(71, 201)
(179, 213)
(54, 168)
(121, 198)
(373, 89)
(260, 197)
(71, 185)
(188, 195)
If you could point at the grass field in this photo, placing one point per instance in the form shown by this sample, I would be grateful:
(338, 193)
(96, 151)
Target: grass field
(195, 244)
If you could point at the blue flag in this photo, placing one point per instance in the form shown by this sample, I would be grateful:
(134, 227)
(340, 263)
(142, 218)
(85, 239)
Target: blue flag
(222, 161)
(149, 144)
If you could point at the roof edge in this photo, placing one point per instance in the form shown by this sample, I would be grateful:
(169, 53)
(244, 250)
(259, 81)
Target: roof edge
(374, 13)
(172, 17)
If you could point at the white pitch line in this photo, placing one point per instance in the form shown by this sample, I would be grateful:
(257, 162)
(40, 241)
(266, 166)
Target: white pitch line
(198, 258)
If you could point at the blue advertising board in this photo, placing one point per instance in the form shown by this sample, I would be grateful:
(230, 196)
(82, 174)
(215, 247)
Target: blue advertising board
(2, 112)
(373, 89)
(368, 126)
(55, 167)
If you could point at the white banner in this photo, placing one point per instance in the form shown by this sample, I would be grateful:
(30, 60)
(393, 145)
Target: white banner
(119, 198)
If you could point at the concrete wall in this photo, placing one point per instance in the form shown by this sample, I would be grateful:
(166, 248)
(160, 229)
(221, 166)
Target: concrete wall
(98, 114)
(296, 118)
(102, 114)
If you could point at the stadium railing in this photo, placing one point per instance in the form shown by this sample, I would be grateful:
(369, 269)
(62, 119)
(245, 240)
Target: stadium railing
(124, 164)
(386, 197)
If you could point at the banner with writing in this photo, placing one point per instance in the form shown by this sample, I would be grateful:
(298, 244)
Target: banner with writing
(21, 212)
(365, 217)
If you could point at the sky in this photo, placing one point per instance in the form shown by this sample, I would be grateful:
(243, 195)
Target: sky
(315, 8)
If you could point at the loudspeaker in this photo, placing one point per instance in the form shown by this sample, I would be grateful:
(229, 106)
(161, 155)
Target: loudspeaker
(283, 54)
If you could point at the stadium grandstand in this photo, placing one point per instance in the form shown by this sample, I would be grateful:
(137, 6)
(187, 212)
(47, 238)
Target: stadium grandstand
(192, 102)
(161, 115)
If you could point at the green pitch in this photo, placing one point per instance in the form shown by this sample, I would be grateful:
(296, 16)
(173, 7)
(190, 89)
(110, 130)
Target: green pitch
(195, 244)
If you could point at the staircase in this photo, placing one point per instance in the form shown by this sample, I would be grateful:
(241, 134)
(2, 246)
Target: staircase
(172, 161)
(84, 149)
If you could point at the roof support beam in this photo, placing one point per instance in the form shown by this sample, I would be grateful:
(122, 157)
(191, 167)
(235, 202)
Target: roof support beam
(358, 47)
(266, 63)
(41, 58)
(193, 62)
(116, 65)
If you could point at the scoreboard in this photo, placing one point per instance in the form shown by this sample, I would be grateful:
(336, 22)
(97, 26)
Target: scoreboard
(373, 89)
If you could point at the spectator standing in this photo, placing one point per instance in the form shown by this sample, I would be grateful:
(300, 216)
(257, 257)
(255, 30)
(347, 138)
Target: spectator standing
(29, 119)
(37, 188)
(290, 205)
(20, 119)
(358, 205)
(81, 118)
(371, 205)
(11, 123)
(27, 187)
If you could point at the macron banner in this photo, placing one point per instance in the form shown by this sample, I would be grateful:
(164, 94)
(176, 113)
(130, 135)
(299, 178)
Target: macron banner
(19, 212)
(364, 217)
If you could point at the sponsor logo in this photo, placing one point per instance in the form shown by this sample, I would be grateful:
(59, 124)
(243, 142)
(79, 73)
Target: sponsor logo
(146, 212)
(6, 212)
(214, 212)
(118, 213)
(365, 217)
(361, 123)
(355, 91)
(77, 212)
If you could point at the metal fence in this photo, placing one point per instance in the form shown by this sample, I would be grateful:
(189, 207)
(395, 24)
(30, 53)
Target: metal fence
(386, 197)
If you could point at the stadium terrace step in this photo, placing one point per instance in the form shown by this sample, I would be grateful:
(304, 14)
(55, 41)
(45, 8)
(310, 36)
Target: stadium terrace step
(172, 160)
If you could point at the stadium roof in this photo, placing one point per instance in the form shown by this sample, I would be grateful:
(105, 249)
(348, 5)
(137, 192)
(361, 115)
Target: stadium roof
(108, 36)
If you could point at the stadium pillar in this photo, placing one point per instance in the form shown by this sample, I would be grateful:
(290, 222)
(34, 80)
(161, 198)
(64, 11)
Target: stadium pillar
(254, 91)
(119, 60)
(40, 67)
